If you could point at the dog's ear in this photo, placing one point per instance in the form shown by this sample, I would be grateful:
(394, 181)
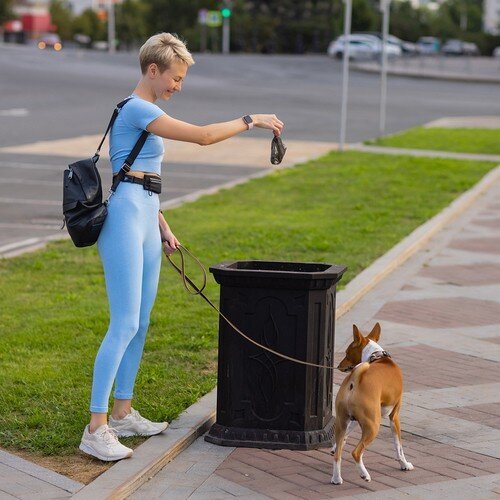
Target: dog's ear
(375, 333)
(356, 335)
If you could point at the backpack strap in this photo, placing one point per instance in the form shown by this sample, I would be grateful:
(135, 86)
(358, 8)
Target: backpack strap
(130, 158)
(110, 124)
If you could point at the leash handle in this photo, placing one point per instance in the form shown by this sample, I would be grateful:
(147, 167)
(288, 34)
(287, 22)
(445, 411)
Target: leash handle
(195, 290)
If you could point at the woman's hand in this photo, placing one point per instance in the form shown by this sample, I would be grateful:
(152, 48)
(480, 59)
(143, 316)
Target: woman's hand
(170, 243)
(269, 121)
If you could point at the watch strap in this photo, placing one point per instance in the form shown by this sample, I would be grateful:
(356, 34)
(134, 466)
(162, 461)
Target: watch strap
(248, 121)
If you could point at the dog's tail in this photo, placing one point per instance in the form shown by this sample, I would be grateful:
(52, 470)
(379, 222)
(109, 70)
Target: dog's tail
(356, 375)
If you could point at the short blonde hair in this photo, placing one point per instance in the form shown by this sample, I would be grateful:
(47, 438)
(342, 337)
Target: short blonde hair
(162, 49)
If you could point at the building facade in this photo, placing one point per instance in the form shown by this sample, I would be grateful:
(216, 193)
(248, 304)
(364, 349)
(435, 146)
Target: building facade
(491, 16)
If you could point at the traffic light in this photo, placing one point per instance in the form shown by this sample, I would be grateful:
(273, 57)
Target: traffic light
(225, 12)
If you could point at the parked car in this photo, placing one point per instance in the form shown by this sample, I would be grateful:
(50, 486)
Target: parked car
(452, 48)
(409, 48)
(360, 47)
(50, 41)
(428, 45)
(471, 49)
(496, 52)
(406, 47)
(363, 46)
(100, 45)
(459, 48)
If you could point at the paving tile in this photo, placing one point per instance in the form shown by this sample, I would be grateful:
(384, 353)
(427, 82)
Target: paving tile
(442, 313)
(484, 273)
(487, 222)
(472, 414)
(482, 245)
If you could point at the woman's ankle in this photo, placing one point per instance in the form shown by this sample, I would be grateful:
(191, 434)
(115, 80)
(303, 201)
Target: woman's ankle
(121, 408)
(97, 420)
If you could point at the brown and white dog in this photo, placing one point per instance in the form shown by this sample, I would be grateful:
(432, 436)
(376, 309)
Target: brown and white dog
(372, 390)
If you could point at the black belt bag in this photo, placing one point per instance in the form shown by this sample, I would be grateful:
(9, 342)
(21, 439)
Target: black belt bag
(151, 183)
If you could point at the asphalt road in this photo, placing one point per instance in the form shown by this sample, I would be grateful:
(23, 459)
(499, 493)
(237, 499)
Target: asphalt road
(46, 95)
(72, 93)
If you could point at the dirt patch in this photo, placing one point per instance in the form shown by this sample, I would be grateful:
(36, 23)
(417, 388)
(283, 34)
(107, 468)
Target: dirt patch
(78, 467)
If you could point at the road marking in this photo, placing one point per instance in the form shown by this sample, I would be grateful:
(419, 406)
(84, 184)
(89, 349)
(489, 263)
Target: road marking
(16, 112)
(30, 182)
(21, 201)
(17, 244)
(32, 166)
(8, 225)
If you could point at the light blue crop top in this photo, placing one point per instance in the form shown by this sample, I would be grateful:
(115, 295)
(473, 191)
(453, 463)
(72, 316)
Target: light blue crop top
(132, 119)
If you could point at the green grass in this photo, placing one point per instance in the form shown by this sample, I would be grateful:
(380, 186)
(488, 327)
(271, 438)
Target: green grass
(345, 208)
(461, 140)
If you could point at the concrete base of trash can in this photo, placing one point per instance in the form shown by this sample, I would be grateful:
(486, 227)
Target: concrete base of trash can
(271, 439)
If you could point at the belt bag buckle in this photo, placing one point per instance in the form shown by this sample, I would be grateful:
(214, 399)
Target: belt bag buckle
(152, 183)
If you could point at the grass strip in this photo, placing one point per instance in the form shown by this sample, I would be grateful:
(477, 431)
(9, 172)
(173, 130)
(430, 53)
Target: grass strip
(458, 140)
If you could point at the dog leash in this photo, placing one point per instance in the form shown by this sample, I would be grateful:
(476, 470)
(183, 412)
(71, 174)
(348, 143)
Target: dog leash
(195, 290)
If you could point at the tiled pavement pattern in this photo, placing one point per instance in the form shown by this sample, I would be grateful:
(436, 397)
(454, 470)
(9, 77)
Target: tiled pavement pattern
(440, 321)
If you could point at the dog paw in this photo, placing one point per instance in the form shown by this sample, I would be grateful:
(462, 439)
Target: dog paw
(332, 451)
(407, 466)
(366, 477)
(337, 480)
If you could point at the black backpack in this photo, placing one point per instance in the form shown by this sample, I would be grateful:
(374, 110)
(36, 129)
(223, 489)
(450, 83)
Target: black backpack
(83, 209)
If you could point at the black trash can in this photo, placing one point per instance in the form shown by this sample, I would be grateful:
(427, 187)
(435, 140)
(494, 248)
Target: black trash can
(263, 400)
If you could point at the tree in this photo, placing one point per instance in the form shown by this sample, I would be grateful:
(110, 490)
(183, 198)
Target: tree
(131, 23)
(5, 10)
(62, 17)
(407, 23)
(88, 23)
(364, 17)
(176, 16)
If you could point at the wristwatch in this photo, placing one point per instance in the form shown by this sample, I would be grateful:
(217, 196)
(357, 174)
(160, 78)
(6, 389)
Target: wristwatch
(248, 121)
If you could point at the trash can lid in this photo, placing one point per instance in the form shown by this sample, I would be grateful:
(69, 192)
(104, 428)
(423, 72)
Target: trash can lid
(279, 269)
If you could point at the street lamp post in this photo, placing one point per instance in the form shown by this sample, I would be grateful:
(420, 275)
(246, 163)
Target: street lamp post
(226, 26)
(385, 8)
(345, 72)
(111, 26)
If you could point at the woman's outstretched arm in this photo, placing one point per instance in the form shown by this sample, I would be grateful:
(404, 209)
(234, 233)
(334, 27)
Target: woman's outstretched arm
(171, 128)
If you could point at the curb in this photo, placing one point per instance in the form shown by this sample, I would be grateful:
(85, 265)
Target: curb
(430, 75)
(128, 475)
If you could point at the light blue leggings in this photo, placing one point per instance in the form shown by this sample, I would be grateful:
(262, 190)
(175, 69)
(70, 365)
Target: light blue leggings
(130, 250)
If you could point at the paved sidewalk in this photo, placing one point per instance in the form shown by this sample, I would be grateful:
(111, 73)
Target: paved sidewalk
(440, 317)
(22, 479)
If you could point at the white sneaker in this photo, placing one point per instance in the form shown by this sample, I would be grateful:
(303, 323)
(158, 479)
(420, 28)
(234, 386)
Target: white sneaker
(136, 425)
(103, 444)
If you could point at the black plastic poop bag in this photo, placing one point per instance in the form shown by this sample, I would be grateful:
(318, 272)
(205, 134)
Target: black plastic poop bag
(278, 150)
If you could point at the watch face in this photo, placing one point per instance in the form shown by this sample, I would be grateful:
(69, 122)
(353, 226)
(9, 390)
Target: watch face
(248, 119)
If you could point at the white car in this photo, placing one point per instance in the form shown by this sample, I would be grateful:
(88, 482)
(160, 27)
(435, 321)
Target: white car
(496, 52)
(367, 47)
(360, 47)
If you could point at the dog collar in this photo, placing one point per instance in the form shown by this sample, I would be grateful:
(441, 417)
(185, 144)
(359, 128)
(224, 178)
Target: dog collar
(378, 355)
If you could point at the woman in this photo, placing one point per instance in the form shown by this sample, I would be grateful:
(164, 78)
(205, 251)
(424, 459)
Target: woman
(130, 243)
